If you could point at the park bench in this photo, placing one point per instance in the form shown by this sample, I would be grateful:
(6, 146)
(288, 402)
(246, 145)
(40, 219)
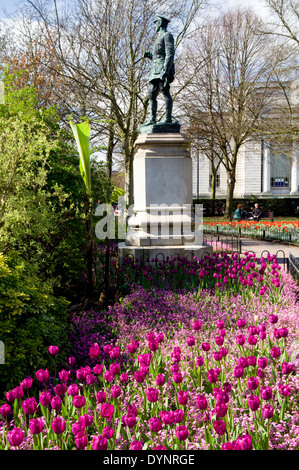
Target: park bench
(265, 215)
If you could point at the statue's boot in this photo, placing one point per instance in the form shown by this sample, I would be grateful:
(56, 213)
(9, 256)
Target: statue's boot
(152, 120)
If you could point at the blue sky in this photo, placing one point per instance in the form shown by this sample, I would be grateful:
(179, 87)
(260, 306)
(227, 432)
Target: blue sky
(257, 5)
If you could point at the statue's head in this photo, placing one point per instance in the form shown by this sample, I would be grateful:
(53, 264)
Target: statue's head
(161, 22)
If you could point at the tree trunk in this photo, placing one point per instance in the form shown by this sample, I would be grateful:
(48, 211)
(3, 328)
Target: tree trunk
(229, 193)
(110, 148)
(213, 192)
(89, 250)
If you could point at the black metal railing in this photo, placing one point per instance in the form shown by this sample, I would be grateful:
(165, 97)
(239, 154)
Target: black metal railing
(255, 231)
(293, 266)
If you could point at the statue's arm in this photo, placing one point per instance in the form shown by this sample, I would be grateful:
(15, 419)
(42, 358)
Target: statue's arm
(169, 52)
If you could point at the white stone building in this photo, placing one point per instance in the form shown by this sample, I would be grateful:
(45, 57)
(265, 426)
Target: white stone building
(263, 170)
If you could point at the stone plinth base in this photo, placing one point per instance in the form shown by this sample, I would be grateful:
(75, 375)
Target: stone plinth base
(162, 252)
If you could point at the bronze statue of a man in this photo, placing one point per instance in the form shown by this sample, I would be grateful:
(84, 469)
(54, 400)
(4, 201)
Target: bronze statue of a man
(162, 70)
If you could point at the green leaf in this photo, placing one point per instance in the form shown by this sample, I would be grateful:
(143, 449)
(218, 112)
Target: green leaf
(82, 133)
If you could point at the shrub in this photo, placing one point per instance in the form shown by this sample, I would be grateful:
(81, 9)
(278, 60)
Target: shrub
(31, 319)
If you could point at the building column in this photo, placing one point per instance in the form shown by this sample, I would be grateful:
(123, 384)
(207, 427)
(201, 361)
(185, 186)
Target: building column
(294, 170)
(266, 170)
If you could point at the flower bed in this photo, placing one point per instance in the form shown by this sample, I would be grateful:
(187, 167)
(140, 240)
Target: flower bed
(277, 230)
(213, 368)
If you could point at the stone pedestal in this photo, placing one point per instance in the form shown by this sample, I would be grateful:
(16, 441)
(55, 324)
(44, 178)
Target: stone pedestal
(163, 223)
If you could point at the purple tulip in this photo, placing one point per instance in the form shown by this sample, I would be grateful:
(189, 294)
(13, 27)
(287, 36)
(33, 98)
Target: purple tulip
(287, 368)
(64, 375)
(251, 361)
(153, 345)
(190, 341)
(42, 375)
(98, 369)
(58, 425)
(5, 410)
(177, 377)
(152, 394)
(60, 389)
(94, 351)
(115, 352)
(79, 401)
(29, 406)
(115, 391)
(56, 403)
(136, 445)
(86, 420)
(196, 325)
(220, 410)
(252, 383)
(36, 425)
(107, 410)
(77, 427)
(253, 402)
(252, 340)
(139, 376)
(219, 340)
(73, 390)
(124, 377)
(266, 393)
(182, 433)
(26, 384)
(202, 402)
(275, 352)
(212, 376)
(108, 432)
(262, 362)
(155, 424)
(45, 398)
(182, 397)
(15, 437)
(99, 443)
(167, 417)
(108, 376)
(53, 350)
(101, 397)
(205, 346)
(219, 427)
(241, 323)
(178, 416)
(160, 379)
(273, 319)
(199, 361)
(267, 411)
(130, 420)
(81, 440)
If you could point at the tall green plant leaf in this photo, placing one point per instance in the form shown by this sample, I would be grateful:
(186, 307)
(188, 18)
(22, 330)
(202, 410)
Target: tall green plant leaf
(82, 133)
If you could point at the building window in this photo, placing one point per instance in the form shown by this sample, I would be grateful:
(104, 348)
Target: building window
(217, 180)
(280, 168)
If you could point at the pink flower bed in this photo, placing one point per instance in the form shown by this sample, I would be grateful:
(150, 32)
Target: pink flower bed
(192, 371)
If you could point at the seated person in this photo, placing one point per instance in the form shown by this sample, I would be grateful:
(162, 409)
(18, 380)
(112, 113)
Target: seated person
(240, 213)
(256, 213)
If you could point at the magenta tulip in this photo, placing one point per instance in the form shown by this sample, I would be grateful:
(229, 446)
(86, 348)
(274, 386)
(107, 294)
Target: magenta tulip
(155, 424)
(58, 425)
(182, 433)
(219, 427)
(253, 402)
(36, 425)
(15, 437)
(99, 443)
(53, 350)
(152, 394)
